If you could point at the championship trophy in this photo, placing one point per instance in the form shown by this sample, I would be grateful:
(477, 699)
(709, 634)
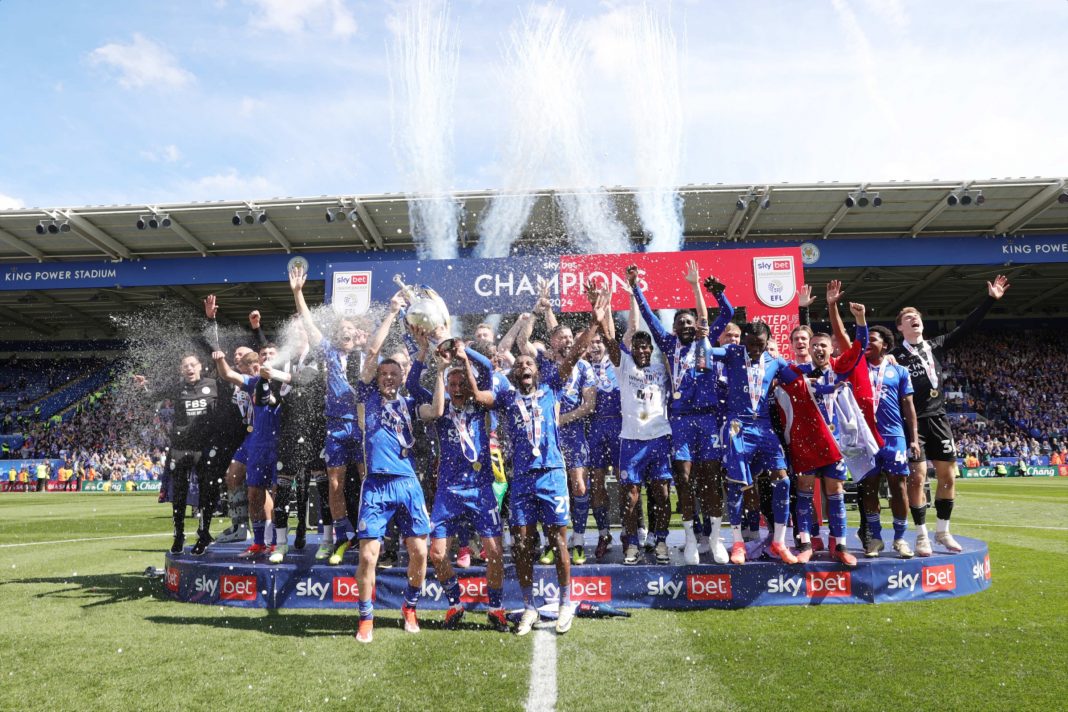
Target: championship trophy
(427, 311)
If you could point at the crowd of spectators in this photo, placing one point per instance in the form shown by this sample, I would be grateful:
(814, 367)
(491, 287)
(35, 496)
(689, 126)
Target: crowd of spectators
(1014, 381)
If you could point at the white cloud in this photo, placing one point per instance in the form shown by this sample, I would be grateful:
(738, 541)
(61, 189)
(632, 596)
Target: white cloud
(142, 63)
(8, 202)
(167, 154)
(228, 185)
(296, 17)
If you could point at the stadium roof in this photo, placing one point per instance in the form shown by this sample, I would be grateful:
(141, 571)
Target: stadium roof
(794, 212)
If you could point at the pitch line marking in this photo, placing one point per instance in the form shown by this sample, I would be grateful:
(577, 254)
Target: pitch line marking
(542, 694)
(75, 541)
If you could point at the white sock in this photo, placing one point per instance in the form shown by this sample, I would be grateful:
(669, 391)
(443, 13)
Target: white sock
(281, 536)
(717, 522)
(804, 538)
(328, 534)
(268, 533)
(780, 533)
(736, 530)
(688, 528)
(942, 526)
(921, 530)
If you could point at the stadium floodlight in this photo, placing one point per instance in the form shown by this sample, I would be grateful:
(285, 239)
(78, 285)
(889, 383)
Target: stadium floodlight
(236, 219)
(332, 213)
(53, 228)
(41, 229)
(862, 200)
(165, 221)
(1063, 198)
(743, 202)
(966, 198)
(876, 200)
(765, 202)
(64, 226)
(153, 222)
(851, 200)
(142, 222)
(952, 199)
(261, 216)
(249, 218)
(979, 199)
(353, 215)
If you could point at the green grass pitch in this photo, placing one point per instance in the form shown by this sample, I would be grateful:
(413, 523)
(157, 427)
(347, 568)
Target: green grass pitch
(81, 628)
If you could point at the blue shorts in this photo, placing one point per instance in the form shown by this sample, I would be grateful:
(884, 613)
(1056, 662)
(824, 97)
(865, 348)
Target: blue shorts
(241, 454)
(603, 442)
(573, 445)
(261, 466)
(835, 471)
(476, 505)
(642, 461)
(383, 497)
(893, 458)
(696, 438)
(752, 450)
(344, 443)
(540, 496)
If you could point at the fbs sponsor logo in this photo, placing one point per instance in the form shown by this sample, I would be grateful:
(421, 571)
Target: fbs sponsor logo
(789, 585)
(828, 584)
(474, 590)
(171, 578)
(237, 588)
(981, 569)
(591, 588)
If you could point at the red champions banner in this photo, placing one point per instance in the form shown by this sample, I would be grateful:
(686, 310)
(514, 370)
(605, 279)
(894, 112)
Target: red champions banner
(766, 282)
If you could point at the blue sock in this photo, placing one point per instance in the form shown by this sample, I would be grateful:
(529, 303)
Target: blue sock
(661, 535)
(875, 525)
(528, 597)
(706, 526)
(804, 511)
(411, 595)
(734, 503)
(580, 512)
(600, 516)
(565, 595)
(836, 515)
(341, 530)
(780, 500)
(752, 519)
(367, 610)
(900, 527)
(496, 596)
(452, 590)
(257, 532)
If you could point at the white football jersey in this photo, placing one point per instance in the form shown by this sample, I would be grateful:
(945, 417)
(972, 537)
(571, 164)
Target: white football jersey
(643, 394)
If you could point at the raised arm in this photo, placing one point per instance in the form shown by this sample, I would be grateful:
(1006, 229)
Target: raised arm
(994, 290)
(693, 276)
(544, 307)
(225, 372)
(396, 303)
(526, 326)
(414, 385)
(804, 301)
(632, 322)
(835, 293)
(483, 396)
(484, 377)
(852, 356)
(583, 341)
(258, 337)
(726, 310)
(297, 278)
(660, 334)
(436, 407)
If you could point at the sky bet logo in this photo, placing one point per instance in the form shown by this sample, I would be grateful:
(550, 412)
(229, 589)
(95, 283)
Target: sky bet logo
(790, 585)
(172, 577)
(775, 265)
(930, 578)
(357, 279)
(308, 588)
(828, 584)
(474, 590)
(237, 588)
(698, 587)
(591, 588)
(981, 569)
(203, 584)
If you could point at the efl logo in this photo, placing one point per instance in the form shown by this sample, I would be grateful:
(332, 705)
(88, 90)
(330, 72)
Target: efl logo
(172, 579)
(939, 578)
(474, 590)
(238, 588)
(345, 589)
(708, 587)
(828, 584)
(591, 588)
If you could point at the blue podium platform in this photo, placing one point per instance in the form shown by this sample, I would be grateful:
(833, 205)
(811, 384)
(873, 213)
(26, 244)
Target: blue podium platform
(220, 578)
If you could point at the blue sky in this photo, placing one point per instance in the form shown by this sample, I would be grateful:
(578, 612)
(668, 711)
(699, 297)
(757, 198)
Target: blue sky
(133, 102)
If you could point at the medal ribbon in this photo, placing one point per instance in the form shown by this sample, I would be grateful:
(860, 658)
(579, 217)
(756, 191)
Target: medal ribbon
(877, 375)
(926, 358)
(460, 421)
(400, 421)
(755, 373)
(530, 410)
(828, 398)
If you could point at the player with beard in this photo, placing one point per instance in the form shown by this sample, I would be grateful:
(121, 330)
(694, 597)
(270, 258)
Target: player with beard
(895, 416)
(465, 478)
(577, 401)
(539, 484)
(342, 358)
(605, 425)
(693, 441)
(645, 447)
(923, 358)
(391, 488)
(195, 400)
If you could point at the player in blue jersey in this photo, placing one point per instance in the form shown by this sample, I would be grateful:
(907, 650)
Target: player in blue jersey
(604, 433)
(343, 357)
(464, 478)
(895, 416)
(390, 488)
(751, 443)
(261, 450)
(577, 401)
(539, 485)
(693, 440)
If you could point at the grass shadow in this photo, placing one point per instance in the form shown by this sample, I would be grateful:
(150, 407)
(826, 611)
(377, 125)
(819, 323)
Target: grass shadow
(96, 590)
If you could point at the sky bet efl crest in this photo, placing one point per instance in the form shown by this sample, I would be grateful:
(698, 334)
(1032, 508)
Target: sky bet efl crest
(773, 280)
(352, 293)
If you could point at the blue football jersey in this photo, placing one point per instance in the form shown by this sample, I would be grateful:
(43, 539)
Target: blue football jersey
(388, 436)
